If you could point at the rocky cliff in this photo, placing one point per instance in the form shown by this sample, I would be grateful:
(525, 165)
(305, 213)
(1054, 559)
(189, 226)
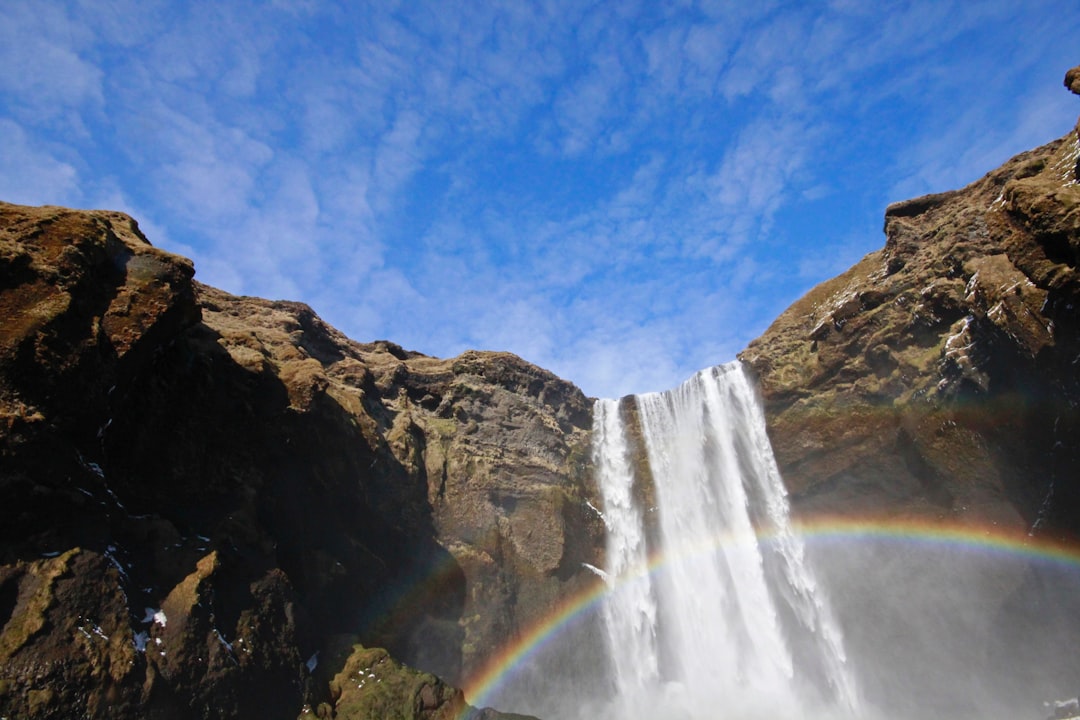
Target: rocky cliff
(204, 495)
(939, 375)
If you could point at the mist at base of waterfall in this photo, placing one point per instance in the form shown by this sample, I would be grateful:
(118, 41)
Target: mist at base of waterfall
(930, 633)
(954, 632)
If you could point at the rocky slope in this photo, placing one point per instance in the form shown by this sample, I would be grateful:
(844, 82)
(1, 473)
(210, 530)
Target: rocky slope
(201, 492)
(939, 375)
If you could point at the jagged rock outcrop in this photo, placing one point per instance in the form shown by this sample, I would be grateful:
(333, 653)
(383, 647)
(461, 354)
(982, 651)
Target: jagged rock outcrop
(939, 375)
(197, 490)
(1072, 80)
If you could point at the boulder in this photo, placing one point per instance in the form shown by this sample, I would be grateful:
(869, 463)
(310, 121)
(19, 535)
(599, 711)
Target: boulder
(1072, 79)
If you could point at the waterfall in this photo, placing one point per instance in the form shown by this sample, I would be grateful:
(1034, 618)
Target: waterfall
(713, 611)
(630, 614)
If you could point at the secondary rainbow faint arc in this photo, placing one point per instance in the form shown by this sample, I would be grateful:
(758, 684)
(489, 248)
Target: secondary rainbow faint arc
(927, 532)
(969, 536)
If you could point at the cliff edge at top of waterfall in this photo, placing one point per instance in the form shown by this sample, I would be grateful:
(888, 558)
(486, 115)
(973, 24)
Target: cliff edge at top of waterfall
(937, 377)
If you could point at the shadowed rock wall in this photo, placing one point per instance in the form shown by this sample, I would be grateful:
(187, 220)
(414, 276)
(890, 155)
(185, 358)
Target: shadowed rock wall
(259, 479)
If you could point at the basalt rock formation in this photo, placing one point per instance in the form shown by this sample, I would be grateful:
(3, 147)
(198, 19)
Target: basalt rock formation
(199, 493)
(938, 377)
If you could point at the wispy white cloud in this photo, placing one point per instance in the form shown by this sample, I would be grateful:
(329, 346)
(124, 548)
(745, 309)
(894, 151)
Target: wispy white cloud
(48, 77)
(754, 176)
(965, 149)
(583, 107)
(122, 23)
(397, 157)
(30, 171)
(622, 192)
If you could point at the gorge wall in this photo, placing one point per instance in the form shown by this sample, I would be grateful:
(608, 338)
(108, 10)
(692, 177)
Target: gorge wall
(215, 506)
(273, 489)
(939, 376)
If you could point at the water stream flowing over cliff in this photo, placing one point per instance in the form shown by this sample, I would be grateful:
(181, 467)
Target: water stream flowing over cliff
(713, 610)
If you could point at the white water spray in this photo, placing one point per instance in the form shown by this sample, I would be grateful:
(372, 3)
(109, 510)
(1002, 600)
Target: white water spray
(730, 624)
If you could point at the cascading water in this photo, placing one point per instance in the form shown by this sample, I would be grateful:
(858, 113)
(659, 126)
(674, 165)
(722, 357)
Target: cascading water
(630, 614)
(713, 611)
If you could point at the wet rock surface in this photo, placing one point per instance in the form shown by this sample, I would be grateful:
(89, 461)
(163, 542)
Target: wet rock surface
(938, 377)
(198, 490)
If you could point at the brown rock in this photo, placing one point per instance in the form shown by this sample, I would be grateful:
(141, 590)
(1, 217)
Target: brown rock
(1072, 79)
(952, 393)
(66, 648)
(372, 686)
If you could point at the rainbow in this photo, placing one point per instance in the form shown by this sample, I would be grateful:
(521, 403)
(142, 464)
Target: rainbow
(984, 537)
(502, 663)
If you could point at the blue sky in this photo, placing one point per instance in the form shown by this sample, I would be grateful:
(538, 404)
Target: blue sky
(621, 192)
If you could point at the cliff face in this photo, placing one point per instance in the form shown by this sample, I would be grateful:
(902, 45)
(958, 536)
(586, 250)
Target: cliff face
(201, 492)
(939, 375)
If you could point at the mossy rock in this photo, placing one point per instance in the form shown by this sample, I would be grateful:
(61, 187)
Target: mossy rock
(372, 686)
